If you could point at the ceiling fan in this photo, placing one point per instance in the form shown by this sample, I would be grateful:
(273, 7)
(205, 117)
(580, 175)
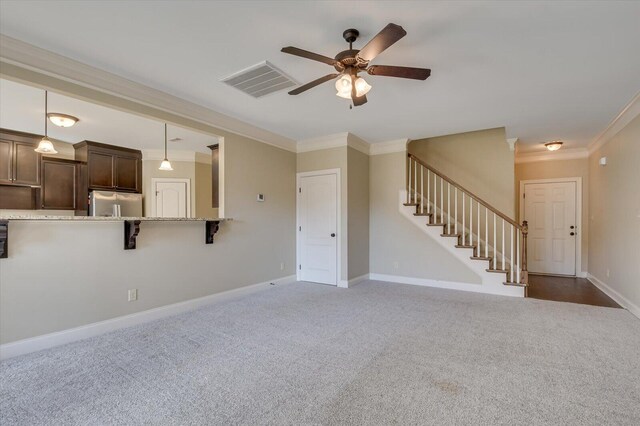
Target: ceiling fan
(350, 62)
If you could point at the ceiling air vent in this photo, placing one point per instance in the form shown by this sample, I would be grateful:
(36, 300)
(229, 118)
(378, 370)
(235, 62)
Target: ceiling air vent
(260, 80)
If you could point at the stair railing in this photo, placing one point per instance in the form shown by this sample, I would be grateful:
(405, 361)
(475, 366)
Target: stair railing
(477, 224)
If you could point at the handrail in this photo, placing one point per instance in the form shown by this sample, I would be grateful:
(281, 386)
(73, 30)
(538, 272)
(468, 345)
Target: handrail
(463, 189)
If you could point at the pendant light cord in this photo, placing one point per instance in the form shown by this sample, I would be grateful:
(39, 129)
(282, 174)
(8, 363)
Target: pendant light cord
(165, 141)
(46, 111)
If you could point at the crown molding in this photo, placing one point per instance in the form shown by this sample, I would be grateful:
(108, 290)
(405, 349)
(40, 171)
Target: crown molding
(566, 154)
(25, 55)
(624, 117)
(389, 147)
(323, 142)
(512, 143)
(358, 143)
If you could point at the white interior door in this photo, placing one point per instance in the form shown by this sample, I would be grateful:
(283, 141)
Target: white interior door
(171, 199)
(550, 209)
(318, 219)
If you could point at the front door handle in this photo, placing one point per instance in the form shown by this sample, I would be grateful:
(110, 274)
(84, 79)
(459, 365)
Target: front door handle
(333, 235)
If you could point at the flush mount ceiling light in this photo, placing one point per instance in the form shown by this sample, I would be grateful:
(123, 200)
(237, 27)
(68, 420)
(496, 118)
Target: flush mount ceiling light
(62, 120)
(165, 165)
(553, 146)
(45, 146)
(350, 62)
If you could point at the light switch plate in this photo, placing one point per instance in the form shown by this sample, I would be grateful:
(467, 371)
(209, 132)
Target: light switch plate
(132, 295)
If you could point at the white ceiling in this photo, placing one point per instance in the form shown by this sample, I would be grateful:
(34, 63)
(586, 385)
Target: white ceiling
(544, 70)
(22, 108)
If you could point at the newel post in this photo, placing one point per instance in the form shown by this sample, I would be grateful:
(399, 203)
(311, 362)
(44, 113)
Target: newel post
(525, 275)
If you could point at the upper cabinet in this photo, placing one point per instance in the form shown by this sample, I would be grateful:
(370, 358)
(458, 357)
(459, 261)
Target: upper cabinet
(59, 184)
(111, 167)
(19, 163)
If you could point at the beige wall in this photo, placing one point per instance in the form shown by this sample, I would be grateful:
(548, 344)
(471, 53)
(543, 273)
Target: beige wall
(333, 158)
(396, 240)
(614, 214)
(480, 161)
(87, 281)
(561, 169)
(203, 187)
(358, 212)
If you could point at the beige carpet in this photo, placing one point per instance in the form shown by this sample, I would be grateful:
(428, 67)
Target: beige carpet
(376, 354)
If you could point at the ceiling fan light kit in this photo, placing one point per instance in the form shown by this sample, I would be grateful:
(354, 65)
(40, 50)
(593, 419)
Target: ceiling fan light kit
(350, 62)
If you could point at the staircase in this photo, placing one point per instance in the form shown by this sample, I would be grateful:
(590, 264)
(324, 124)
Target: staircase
(488, 241)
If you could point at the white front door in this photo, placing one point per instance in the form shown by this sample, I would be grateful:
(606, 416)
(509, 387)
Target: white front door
(318, 219)
(171, 199)
(550, 209)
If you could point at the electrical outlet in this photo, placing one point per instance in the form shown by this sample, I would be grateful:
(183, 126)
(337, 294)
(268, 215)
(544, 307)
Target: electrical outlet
(282, 266)
(132, 295)
(395, 265)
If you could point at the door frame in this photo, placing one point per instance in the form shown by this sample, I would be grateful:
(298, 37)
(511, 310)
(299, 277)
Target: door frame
(153, 193)
(578, 182)
(299, 176)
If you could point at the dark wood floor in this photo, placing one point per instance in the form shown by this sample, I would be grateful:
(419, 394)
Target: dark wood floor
(568, 289)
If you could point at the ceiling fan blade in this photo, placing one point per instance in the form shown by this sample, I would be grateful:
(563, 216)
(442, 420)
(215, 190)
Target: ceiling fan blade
(385, 38)
(309, 55)
(314, 83)
(402, 72)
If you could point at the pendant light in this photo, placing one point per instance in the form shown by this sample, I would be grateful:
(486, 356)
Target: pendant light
(165, 165)
(45, 146)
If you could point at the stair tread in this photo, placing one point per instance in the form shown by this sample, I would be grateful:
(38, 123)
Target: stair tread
(505, 271)
(464, 246)
(516, 284)
(423, 214)
(436, 224)
(481, 258)
(410, 204)
(449, 235)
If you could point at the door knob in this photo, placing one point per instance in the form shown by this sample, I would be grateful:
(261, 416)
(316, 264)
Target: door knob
(333, 235)
(572, 233)
(571, 227)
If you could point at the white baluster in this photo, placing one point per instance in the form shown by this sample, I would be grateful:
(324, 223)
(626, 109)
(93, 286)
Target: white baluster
(495, 246)
(486, 232)
(464, 224)
(511, 253)
(409, 182)
(455, 210)
(519, 265)
(421, 189)
(448, 208)
(428, 191)
(415, 182)
(471, 221)
(441, 200)
(502, 246)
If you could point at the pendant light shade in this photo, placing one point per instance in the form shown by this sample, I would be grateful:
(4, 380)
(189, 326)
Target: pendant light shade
(165, 165)
(45, 146)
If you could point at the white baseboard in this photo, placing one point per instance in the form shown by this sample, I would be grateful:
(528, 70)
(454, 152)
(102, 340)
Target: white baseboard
(33, 344)
(426, 282)
(619, 299)
(353, 281)
(582, 274)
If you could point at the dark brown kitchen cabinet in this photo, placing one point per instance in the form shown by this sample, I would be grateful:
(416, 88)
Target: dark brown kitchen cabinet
(110, 167)
(59, 184)
(19, 163)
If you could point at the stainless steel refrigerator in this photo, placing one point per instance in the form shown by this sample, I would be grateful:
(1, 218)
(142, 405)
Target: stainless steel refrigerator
(115, 204)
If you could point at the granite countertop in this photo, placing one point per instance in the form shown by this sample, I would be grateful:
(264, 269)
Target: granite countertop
(114, 219)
